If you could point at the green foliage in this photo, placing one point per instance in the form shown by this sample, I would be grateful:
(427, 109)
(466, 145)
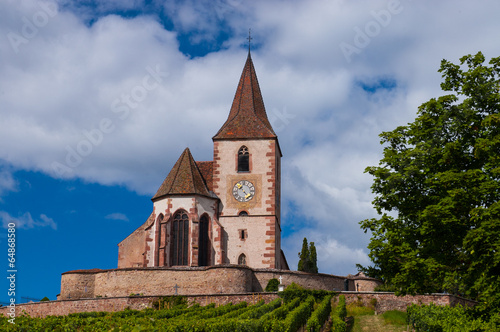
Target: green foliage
(385, 288)
(270, 317)
(339, 313)
(308, 258)
(294, 290)
(448, 319)
(304, 257)
(440, 177)
(169, 302)
(272, 285)
(320, 315)
(340, 309)
(313, 258)
(299, 316)
(283, 310)
(338, 325)
(45, 299)
(261, 310)
(395, 317)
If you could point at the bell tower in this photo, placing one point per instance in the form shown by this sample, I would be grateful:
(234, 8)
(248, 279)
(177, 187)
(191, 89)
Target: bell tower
(246, 178)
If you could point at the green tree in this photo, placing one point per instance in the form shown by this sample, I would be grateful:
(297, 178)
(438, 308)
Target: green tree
(304, 257)
(439, 179)
(313, 258)
(308, 258)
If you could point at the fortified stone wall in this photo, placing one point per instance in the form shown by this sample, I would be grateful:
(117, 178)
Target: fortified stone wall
(78, 284)
(112, 304)
(306, 280)
(154, 281)
(385, 302)
(225, 279)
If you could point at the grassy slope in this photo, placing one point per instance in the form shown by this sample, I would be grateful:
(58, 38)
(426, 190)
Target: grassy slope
(372, 323)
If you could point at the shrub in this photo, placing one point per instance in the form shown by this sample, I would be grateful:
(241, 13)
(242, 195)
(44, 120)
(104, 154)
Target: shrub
(170, 302)
(293, 291)
(272, 285)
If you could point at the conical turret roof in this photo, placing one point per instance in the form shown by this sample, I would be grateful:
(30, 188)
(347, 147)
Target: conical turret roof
(247, 118)
(185, 178)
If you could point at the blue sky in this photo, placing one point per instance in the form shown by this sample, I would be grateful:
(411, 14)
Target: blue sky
(80, 158)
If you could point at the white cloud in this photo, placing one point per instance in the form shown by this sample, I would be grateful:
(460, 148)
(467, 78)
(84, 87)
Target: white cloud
(334, 257)
(60, 86)
(7, 182)
(117, 216)
(26, 221)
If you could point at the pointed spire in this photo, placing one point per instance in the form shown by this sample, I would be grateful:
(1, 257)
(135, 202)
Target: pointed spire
(184, 178)
(247, 118)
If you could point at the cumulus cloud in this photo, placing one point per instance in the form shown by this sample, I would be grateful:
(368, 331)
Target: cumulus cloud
(86, 93)
(26, 221)
(7, 182)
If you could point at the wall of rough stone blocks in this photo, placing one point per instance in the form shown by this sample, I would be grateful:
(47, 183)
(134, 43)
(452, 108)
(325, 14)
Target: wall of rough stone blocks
(306, 280)
(385, 301)
(78, 285)
(113, 304)
(192, 281)
(156, 281)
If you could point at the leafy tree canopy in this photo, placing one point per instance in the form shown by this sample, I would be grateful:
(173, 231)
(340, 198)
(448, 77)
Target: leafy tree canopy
(437, 191)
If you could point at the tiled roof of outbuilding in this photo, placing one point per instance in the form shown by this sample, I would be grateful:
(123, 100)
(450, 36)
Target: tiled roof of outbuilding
(248, 118)
(184, 178)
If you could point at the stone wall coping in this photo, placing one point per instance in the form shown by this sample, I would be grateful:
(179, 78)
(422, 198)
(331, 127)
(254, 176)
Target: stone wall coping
(159, 268)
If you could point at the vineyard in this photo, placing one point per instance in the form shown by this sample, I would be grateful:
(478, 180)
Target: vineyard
(295, 310)
(289, 313)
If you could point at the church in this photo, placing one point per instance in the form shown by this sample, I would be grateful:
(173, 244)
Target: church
(224, 211)
(215, 227)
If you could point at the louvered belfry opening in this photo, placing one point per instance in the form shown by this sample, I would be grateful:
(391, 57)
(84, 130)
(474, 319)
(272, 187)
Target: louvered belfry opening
(180, 239)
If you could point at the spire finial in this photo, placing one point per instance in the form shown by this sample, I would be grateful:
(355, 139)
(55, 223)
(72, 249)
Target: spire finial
(249, 38)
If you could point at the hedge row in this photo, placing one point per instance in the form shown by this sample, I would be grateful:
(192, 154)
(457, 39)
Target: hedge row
(339, 314)
(320, 315)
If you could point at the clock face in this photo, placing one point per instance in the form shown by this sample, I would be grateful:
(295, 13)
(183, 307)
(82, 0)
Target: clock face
(243, 191)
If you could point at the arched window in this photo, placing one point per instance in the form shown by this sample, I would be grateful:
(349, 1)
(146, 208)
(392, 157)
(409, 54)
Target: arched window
(242, 260)
(203, 242)
(243, 159)
(243, 214)
(180, 238)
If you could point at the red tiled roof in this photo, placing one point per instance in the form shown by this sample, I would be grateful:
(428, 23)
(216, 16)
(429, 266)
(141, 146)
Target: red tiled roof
(248, 118)
(184, 178)
(207, 171)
